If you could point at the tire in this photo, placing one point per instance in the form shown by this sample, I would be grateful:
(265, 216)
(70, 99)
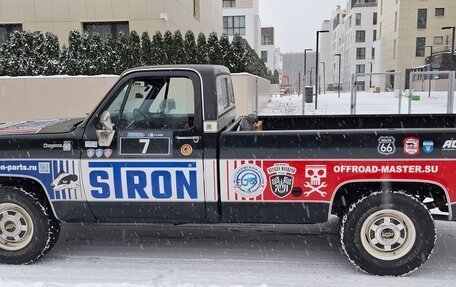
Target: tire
(388, 233)
(28, 229)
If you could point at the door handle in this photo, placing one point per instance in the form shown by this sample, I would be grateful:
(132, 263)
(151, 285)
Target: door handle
(195, 139)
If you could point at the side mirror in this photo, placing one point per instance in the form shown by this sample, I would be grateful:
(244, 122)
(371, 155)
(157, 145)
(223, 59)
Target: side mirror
(106, 134)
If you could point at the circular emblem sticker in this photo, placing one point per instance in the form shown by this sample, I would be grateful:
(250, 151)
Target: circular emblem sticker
(249, 180)
(186, 150)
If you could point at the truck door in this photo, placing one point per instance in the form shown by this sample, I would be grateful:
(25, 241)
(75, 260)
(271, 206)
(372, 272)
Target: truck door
(143, 150)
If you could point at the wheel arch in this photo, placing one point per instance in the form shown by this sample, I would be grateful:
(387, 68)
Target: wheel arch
(31, 185)
(349, 192)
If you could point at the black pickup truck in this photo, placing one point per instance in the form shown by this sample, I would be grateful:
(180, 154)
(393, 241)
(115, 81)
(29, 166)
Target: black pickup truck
(165, 146)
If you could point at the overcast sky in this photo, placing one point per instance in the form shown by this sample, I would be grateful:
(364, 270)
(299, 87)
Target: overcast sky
(296, 21)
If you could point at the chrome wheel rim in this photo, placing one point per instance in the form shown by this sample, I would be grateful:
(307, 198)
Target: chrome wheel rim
(16, 227)
(388, 234)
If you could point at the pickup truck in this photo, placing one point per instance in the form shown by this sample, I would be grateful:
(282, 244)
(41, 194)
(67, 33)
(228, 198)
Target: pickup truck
(165, 146)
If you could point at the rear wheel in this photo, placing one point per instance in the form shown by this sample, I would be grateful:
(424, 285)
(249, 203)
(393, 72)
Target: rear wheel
(28, 230)
(388, 233)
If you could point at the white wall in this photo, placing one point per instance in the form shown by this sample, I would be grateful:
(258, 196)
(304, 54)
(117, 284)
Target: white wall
(31, 98)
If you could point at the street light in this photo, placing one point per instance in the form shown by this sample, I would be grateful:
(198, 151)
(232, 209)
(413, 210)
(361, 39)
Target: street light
(338, 88)
(449, 28)
(316, 61)
(430, 68)
(305, 66)
(324, 78)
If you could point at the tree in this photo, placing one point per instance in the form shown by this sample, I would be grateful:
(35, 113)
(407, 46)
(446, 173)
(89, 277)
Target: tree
(158, 50)
(123, 51)
(111, 56)
(146, 49)
(225, 55)
(178, 47)
(213, 49)
(238, 55)
(201, 50)
(51, 54)
(190, 48)
(168, 48)
(276, 78)
(135, 50)
(71, 58)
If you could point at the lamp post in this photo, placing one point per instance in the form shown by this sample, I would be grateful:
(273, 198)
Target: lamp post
(324, 78)
(338, 87)
(449, 28)
(430, 69)
(305, 66)
(316, 61)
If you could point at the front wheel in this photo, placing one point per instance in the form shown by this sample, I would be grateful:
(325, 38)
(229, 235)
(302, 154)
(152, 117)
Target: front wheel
(28, 230)
(388, 233)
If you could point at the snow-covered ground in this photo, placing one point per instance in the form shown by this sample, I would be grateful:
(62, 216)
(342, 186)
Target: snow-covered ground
(220, 255)
(367, 103)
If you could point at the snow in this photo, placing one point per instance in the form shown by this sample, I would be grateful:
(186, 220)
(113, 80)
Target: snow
(217, 255)
(367, 103)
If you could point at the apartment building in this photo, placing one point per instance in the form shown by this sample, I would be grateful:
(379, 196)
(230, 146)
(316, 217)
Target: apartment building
(109, 17)
(408, 29)
(269, 53)
(353, 32)
(242, 17)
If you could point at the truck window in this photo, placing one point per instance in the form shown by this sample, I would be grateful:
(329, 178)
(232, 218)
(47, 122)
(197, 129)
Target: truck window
(156, 103)
(225, 94)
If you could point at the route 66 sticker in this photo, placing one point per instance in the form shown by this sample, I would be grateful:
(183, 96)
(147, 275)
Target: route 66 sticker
(386, 145)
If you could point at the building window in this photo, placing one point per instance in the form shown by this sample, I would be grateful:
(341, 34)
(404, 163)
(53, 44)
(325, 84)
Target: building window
(358, 19)
(395, 22)
(373, 53)
(394, 49)
(234, 25)
(229, 3)
(439, 12)
(375, 19)
(7, 29)
(360, 36)
(422, 19)
(360, 53)
(267, 36)
(264, 56)
(420, 46)
(360, 69)
(374, 36)
(196, 9)
(360, 85)
(438, 40)
(107, 29)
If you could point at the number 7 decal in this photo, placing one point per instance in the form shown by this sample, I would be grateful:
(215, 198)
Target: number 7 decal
(146, 143)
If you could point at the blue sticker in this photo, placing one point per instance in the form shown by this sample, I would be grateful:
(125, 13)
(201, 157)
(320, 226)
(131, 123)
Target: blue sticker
(428, 146)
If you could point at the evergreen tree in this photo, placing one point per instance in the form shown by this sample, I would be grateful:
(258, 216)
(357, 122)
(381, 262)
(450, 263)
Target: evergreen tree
(238, 55)
(168, 48)
(51, 55)
(213, 49)
(146, 49)
(190, 48)
(158, 50)
(110, 56)
(97, 55)
(276, 78)
(225, 54)
(201, 50)
(178, 46)
(11, 52)
(123, 51)
(135, 50)
(71, 59)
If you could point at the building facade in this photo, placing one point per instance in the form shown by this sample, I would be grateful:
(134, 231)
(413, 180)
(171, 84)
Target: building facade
(242, 17)
(109, 17)
(408, 29)
(268, 51)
